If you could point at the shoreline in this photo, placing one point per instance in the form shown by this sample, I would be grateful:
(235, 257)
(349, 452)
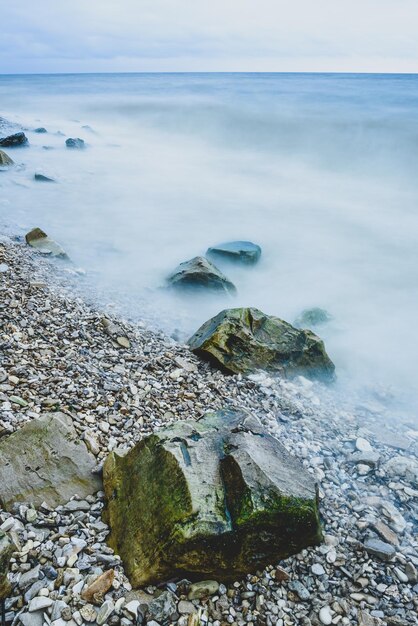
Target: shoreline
(56, 355)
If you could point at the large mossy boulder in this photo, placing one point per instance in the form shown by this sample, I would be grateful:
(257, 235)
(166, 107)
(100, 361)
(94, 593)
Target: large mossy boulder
(199, 273)
(216, 498)
(237, 251)
(5, 160)
(14, 141)
(245, 340)
(38, 239)
(46, 460)
(6, 550)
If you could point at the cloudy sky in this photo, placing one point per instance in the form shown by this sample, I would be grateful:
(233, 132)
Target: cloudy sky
(208, 35)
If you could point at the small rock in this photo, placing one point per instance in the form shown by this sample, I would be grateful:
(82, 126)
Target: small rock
(382, 550)
(202, 589)
(95, 592)
(105, 612)
(40, 603)
(5, 160)
(300, 590)
(14, 141)
(88, 613)
(75, 142)
(325, 615)
(317, 569)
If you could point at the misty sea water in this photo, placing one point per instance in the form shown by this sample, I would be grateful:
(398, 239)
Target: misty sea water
(318, 169)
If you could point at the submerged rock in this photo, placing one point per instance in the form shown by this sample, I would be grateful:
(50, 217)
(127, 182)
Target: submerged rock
(244, 340)
(215, 498)
(36, 238)
(6, 550)
(45, 460)
(43, 179)
(14, 141)
(40, 130)
(312, 317)
(75, 142)
(241, 251)
(5, 160)
(200, 273)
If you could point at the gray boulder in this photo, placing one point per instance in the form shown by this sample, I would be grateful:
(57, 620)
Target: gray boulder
(6, 550)
(199, 273)
(237, 251)
(14, 141)
(45, 460)
(5, 160)
(36, 238)
(216, 498)
(245, 340)
(75, 142)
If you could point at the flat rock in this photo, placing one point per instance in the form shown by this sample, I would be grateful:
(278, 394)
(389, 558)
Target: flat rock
(376, 547)
(45, 460)
(245, 340)
(238, 251)
(5, 160)
(214, 498)
(14, 141)
(199, 273)
(38, 239)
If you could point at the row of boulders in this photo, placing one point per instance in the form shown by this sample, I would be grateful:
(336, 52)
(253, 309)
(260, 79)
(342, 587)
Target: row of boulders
(17, 140)
(218, 497)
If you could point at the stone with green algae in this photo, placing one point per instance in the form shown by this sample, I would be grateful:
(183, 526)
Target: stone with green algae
(6, 550)
(245, 340)
(215, 499)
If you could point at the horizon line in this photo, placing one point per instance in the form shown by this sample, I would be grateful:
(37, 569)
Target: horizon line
(365, 73)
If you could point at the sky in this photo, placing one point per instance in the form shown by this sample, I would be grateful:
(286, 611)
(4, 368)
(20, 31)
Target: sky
(208, 35)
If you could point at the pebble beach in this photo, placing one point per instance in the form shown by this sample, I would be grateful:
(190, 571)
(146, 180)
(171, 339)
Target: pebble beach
(119, 381)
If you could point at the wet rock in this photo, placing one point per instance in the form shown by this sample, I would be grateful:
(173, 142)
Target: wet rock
(382, 550)
(203, 589)
(96, 591)
(6, 550)
(40, 130)
(238, 251)
(221, 495)
(14, 141)
(43, 179)
(244, 340)
(38, 239)
(312, 317)
(75, 143)
(199, 273)
(45, 461)
(5, 160)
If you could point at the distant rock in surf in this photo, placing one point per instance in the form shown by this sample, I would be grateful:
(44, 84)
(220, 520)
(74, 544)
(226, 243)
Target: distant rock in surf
(39, 240)
(312, 317)
(40, 130)
(238, 251)
(199, 273)
(76, 143)
(246, 340)
(5, 160)
(14, 141)
(43, 179)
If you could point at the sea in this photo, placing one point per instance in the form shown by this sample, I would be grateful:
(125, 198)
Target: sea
(320, 170)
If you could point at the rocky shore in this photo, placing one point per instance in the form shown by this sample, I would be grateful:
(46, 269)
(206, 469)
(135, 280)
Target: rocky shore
(118, 382)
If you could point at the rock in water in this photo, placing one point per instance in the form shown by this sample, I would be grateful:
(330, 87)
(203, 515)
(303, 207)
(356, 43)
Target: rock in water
(215, 499)
(244, 340)
(40, 130)
(5, 160)
(241, 251)
(200, 273)
(45, 460)
(14, 141)
(312, 317)
(6, 550)
(43, 179)
(76, 142)
(36, 238)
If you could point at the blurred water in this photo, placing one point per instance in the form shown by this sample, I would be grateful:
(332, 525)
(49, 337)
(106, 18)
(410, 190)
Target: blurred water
(320, 170)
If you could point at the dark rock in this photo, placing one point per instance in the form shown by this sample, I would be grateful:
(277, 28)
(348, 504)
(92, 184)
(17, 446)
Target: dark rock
(244, 340)
(5, 160)
(200, 273)
(6, 550)
(312, 317)
(14, 141)
(382, 550)
(43, 179)
(77, 143)
(215, 498)
(45, 460)
(162, 608)
(41, 129)
(240, 251)
(36, 238)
